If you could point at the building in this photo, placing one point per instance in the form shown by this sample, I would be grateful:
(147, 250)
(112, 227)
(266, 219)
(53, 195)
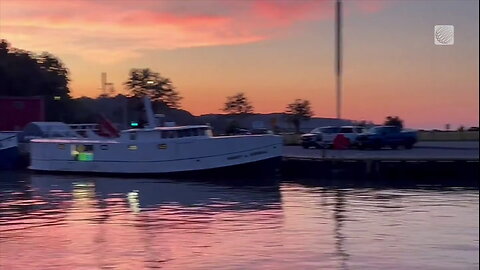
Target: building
(17, 112)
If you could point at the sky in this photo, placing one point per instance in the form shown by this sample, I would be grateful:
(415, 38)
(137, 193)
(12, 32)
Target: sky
(274, 51)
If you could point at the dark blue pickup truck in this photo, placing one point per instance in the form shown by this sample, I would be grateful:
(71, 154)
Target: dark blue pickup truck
(383, 136)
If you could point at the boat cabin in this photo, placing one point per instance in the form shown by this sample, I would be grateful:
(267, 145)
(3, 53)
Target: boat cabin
(199, 131)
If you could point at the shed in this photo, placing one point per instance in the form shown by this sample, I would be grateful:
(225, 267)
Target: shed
(35, 130)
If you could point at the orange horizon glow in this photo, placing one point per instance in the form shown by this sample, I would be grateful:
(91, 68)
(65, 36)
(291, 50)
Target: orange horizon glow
(273, 51)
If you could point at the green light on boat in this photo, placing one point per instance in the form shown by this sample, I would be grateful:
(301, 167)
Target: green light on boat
(134, 124)
(85, 157)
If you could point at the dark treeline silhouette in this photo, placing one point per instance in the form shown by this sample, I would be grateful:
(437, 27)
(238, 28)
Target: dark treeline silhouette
(23, 73)
(393, 121)
(238, 104)
(298, 111)
(145, 82)
(27, 74)
(123, 110)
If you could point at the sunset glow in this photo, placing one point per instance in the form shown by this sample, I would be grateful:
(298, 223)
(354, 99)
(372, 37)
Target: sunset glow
(274, 51)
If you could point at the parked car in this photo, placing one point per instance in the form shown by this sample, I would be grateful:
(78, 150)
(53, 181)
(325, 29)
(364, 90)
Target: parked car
(312, 139)
(391, 136)
(324, 136)
(350, 132)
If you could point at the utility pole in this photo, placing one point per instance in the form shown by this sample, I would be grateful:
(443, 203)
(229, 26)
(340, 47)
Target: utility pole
(104, 83)
(338, 55)
(107, 88)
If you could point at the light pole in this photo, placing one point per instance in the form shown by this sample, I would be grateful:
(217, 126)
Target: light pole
(338, 55)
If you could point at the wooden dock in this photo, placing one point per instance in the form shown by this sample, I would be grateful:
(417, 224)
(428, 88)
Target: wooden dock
(434, 162)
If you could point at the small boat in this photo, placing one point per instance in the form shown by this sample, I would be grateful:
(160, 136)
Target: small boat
(154, 150)
(9, 153)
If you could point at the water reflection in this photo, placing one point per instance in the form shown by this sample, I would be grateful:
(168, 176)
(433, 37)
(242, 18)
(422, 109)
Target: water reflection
(100, 222)
(150, 194)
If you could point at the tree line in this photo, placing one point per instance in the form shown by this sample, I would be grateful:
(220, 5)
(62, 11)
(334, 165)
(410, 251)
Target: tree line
(24, 73)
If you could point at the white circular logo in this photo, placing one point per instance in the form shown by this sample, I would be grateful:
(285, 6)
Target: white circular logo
(444, 34)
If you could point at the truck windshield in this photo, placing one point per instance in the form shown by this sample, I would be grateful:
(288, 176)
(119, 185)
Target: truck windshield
(330, 130)
(384, 129)
(346, 130)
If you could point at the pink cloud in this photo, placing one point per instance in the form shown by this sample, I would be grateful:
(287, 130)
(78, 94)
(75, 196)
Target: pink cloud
(90, 28)
(371, 6)
(288, 12)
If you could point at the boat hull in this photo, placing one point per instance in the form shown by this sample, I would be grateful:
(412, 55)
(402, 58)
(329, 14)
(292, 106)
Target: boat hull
(9, 158)
(248, 172)
(186, 156)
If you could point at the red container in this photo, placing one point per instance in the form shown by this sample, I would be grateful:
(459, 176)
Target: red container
(16, 112)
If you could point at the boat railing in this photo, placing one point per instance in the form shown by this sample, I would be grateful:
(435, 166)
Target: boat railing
(94, 127)
(84, 130)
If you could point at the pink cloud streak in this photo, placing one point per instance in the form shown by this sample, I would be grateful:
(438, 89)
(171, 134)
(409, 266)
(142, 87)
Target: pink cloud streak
(52, 24)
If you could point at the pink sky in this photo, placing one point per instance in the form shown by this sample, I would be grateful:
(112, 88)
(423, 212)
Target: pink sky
(274, 51)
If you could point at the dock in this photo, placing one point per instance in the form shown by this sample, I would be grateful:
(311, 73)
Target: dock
(432, 161)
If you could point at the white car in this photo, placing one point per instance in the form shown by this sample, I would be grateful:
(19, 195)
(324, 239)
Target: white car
(350, 132)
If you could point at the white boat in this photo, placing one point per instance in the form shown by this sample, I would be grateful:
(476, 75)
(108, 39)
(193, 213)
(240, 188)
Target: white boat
(154, 150)
(8, 150)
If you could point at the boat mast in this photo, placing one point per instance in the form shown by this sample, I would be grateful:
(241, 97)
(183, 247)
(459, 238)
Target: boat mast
(149, 112)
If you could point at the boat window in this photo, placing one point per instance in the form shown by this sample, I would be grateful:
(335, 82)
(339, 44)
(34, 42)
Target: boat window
(162, 146)
(160, 134)
(82, 152)
(208, 132)
(104, 147)
(201, 132)
(132, 147)
(194, 131)
(187, 133)
(133, 135)
(181, 133)
(172, 134)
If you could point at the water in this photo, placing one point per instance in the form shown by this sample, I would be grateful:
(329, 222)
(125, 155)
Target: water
(78, 222)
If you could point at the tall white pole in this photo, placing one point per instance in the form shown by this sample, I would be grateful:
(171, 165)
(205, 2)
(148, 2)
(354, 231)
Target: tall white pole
(338, 55)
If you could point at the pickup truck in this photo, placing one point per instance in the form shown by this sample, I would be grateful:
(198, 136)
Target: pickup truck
(391, 136)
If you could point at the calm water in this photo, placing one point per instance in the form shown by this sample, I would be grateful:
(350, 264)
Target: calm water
(77, 222)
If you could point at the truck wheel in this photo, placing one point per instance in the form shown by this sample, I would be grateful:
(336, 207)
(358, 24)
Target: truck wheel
(377, 145)
(409, 145)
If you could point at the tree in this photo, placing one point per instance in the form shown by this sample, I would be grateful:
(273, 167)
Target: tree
(144, 82)
(297, 111)
(363, 123)
(238, 104)
(393, 121)
(23, 73)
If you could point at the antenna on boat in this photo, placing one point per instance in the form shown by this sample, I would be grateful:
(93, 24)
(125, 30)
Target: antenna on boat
(148, 110)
